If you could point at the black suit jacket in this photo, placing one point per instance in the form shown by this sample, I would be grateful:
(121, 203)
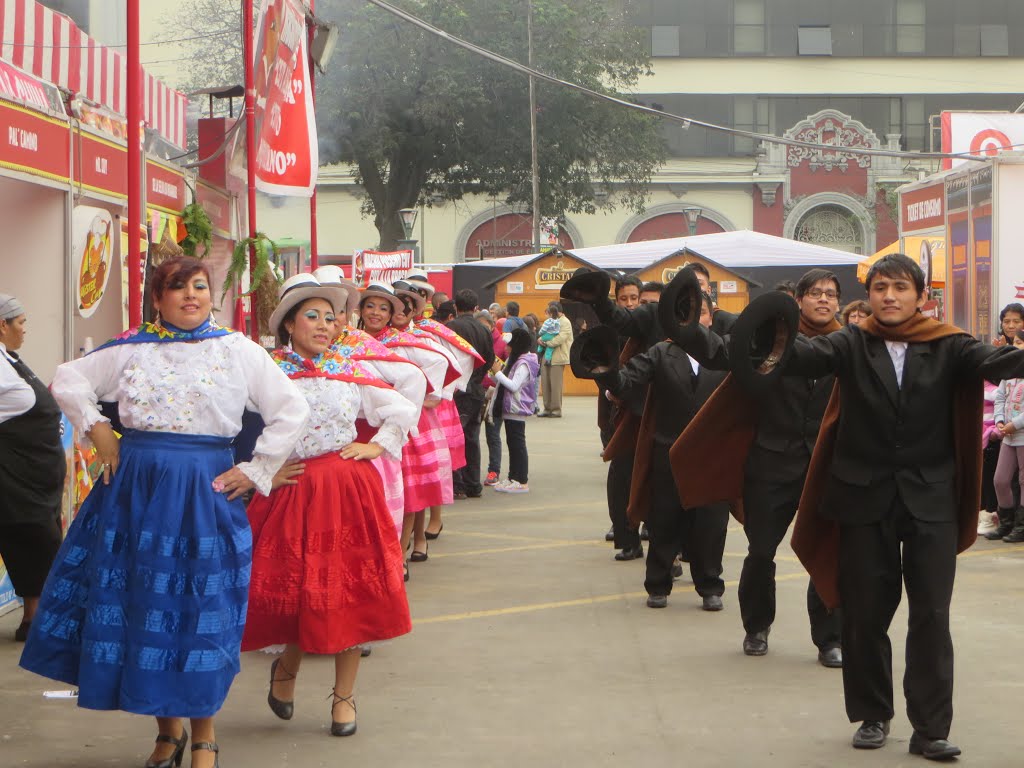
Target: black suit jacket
(676, 393)
(481, 340)
(896, 440)
(788, 416)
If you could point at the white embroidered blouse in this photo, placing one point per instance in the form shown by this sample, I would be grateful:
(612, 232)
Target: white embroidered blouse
(199, 388)
(334, 407)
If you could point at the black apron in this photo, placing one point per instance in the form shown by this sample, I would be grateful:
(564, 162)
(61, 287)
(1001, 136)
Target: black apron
(32, 459)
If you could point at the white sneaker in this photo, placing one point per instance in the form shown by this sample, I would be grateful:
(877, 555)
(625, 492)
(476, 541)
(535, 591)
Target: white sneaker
(987, 521)
(513, 486)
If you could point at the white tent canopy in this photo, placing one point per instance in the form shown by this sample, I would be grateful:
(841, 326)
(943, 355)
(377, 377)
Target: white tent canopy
(732, 250)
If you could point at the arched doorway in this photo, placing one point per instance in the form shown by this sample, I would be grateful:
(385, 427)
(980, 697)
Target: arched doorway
(668, 225)
(833, 227)
(507, 234)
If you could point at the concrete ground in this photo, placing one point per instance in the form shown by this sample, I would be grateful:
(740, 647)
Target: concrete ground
(531, 647)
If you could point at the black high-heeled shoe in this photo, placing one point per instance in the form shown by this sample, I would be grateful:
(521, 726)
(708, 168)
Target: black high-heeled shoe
(433, 536)
(179, 750)
(283, 709)
(210, 746)
(342, 729)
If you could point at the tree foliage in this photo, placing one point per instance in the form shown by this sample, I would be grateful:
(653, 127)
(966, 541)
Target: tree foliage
(423, 121)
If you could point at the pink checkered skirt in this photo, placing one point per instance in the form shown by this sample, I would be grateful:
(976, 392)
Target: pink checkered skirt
(448, 414)
(427, 466)
(390, 471)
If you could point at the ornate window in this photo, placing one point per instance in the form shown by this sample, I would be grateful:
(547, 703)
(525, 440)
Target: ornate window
(833, 227)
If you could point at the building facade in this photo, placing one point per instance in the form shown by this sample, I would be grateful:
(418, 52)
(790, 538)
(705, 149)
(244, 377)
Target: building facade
(876, 73)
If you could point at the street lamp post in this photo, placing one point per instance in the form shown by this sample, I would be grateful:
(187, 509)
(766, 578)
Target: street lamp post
(408, 217)
(692, 217)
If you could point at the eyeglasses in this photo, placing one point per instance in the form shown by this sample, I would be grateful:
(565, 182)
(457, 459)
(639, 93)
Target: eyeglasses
(817, 293)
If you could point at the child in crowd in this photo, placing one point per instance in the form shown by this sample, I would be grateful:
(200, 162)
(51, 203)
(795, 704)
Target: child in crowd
(515, 399)
(1009, 419)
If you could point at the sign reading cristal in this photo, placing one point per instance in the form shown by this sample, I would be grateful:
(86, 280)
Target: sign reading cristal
(552, 278)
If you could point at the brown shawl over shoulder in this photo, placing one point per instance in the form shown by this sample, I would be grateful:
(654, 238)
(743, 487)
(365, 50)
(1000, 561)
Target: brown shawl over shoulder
(816, 538)
(709, 458)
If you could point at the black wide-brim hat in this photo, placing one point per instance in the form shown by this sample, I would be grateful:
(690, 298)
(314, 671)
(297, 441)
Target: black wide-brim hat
(762, 340)
(594, 352)
(587, 287)
(679, 306)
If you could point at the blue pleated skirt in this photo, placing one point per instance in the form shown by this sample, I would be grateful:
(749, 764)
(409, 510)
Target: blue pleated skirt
(145, 605)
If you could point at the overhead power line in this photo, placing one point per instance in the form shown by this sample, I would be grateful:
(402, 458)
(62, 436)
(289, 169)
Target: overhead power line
(687, 121)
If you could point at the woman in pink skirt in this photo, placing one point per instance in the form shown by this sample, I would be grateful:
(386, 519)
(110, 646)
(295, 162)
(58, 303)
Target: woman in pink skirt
(467, 359)
(426, 461)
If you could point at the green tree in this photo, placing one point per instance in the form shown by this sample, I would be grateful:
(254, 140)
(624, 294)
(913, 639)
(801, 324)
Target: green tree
(422, 120)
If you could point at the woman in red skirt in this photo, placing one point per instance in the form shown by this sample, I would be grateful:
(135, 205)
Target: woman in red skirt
(426, 461)
(327, 568)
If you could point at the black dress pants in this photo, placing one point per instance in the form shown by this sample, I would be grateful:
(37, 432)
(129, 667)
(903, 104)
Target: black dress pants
(702, 530)
(620, 475)
(871, 576)
(768, 510)
(467, 479)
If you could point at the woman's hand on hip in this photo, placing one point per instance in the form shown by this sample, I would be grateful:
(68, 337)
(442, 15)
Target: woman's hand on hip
(362, 451)
(285, 474)
(107, 448)
(234, 482)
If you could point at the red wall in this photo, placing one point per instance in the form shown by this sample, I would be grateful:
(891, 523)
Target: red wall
(670, 225)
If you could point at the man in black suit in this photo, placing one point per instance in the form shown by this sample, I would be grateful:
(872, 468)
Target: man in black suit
(620, 469)
(788, 418)
(678, 388)
(896, 479)
(466, 481)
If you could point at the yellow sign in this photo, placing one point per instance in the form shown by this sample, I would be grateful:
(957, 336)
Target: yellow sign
(553, 278)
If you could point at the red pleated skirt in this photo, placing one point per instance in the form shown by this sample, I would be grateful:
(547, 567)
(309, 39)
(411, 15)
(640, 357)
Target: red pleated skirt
(448, 415)
(326, 564)
(427, 466)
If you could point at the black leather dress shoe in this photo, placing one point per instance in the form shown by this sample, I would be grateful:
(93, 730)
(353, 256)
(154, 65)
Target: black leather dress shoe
(677, 570)
(645, 535)
(756, 644)
(831, 658)
(610, 536)
(634, 553)
(657, 601)
(712, 603)
(871, 734)
(21, 633)
(932, 749)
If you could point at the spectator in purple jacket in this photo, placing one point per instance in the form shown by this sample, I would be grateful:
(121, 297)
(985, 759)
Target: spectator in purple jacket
(516, 398)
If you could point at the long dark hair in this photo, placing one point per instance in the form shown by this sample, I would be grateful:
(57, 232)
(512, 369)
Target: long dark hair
(520, 343)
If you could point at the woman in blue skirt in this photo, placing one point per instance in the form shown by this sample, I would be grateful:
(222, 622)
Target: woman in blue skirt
(145, 605)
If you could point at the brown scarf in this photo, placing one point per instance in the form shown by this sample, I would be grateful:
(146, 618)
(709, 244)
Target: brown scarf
(627, 424)
(709, 458)
(815, 538)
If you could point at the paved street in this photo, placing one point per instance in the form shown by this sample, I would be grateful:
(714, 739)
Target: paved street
(531, 647)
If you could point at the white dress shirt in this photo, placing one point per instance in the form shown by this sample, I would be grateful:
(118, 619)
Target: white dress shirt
(898, 353)
(16, 396)
(694, 365)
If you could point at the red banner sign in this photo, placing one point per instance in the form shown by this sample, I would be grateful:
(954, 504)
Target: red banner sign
(21, 86)
(923, 208)
(287, 155)
(34, 143)
(165, 188)
(380, 266)
(103, 165)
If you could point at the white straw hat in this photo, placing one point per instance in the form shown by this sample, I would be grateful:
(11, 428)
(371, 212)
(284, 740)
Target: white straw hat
(332, 275)
(297, 288)
(383, 290)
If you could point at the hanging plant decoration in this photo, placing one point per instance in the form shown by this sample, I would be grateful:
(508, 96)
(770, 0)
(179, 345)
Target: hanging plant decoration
(199, 231)
(264, 281)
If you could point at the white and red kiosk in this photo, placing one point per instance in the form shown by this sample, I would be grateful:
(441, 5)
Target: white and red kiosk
(64, 189)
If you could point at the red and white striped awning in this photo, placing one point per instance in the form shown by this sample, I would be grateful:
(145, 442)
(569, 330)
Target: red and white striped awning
(51, 47)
